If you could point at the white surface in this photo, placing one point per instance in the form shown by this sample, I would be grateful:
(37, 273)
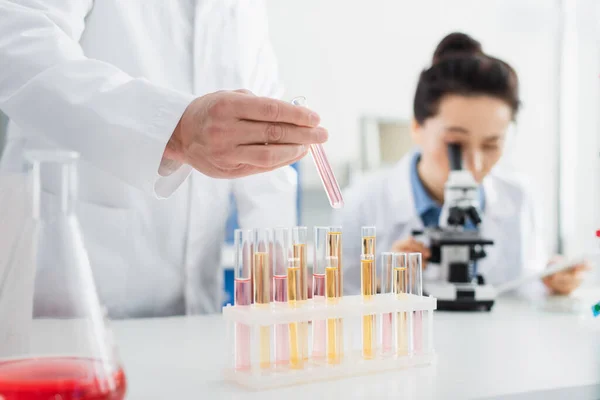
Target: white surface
(510, 350)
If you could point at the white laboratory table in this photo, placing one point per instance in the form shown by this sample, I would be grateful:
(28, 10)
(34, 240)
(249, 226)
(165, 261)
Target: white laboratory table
(515, 349)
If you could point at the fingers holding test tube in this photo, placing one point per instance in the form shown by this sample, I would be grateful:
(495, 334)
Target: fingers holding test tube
(223, 135)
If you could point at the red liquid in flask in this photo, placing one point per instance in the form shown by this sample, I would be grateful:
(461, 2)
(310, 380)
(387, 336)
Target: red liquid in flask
(61, 378)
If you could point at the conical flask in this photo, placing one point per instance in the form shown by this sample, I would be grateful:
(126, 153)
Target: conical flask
(54, 338)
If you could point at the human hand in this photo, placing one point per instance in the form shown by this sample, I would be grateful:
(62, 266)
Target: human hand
(223, 134)
(566, 281)
(411, 245)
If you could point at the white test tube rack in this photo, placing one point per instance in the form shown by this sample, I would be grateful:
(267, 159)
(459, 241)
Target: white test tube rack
(350, 309)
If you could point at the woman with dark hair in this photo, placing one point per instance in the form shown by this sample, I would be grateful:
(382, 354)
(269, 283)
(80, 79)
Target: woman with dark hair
(469, 98)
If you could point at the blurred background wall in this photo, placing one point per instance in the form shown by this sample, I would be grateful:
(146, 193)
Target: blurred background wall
(357, 62)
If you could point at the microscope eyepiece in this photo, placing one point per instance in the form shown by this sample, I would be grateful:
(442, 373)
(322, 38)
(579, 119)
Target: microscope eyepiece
(456, 216)
(473, 215)
(455, 156)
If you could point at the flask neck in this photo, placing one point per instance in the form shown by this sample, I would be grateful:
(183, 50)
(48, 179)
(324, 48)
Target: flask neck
(54, 187)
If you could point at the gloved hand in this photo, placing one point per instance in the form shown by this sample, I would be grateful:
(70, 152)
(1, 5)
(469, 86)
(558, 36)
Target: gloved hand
(564, 282)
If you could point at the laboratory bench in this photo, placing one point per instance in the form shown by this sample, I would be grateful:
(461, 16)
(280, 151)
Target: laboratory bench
(516, 351)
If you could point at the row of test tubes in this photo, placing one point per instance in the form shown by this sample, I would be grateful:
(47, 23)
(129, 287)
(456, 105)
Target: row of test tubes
(271, 271)
(400, 275)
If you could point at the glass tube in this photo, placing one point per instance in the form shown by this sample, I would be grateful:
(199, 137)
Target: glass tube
(299, 243)
(281, 252)
(243, 244)
(320, 254)
(262, 289)
(415, 286)
(403, 318)
(334, 243)
(368, 240)
(386, 279)
(415, 264)
(334, 325)
(295, 328)
(330, 184)
(367, 286)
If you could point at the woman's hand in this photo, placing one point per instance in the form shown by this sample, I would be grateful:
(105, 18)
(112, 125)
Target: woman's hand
(565, 282)
(411, 245)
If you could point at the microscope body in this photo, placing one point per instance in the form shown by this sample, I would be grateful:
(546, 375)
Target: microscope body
(456, 250)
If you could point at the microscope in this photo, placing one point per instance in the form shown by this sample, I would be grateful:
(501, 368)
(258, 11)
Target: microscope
(456, 250)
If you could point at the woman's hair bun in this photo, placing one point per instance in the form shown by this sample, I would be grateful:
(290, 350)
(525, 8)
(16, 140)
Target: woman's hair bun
(456, 44)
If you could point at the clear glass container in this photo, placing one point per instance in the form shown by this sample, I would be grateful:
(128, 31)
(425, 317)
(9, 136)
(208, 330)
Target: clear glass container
(54, 340)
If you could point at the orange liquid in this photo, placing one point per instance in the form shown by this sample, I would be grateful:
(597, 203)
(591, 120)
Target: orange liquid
(335, 248)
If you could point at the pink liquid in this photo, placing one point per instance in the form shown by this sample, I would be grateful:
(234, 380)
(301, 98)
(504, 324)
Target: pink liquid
(280, 286)
(319, 285)
(319, 326)
(418, 332)
(332, 188)
(282, 345)
(386, 333)
(243, 297)
(64, 378)
(243, 292)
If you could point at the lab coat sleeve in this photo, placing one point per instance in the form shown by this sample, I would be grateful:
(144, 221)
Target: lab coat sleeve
(50, 89)
(270, 199)
(535, 255)
(258, 64)
(267, 200)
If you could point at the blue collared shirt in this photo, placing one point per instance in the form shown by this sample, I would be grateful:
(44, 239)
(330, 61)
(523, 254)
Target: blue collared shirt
(428, 209)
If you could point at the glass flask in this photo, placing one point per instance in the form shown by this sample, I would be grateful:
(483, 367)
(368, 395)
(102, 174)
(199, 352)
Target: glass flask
(54, 339)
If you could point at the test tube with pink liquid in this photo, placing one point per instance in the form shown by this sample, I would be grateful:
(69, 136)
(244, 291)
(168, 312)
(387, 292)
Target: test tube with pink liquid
(244, 253)
(387, 262)
(281, 254)
(330, 184)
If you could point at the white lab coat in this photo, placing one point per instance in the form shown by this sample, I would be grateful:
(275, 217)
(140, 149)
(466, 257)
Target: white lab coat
(111, 79)
(385, 200)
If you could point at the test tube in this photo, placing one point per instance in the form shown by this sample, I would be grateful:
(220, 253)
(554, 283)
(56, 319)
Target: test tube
(299, 241)
(334, 325)
(387, 270)
(334, 243)
(368, 235)
(243, 244)
(281, 253)
(403, 318)
(367, 286)
(295, 328)
(368, 277)
(262, 290)
(416, 288)
(332, 188)
(320, 263)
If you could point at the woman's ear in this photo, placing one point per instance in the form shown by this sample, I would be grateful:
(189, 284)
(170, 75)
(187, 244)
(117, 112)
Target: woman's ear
(416, 132)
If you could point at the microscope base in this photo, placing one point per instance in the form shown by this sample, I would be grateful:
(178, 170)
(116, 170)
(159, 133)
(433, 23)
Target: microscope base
(462, 297)
(457, 305)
